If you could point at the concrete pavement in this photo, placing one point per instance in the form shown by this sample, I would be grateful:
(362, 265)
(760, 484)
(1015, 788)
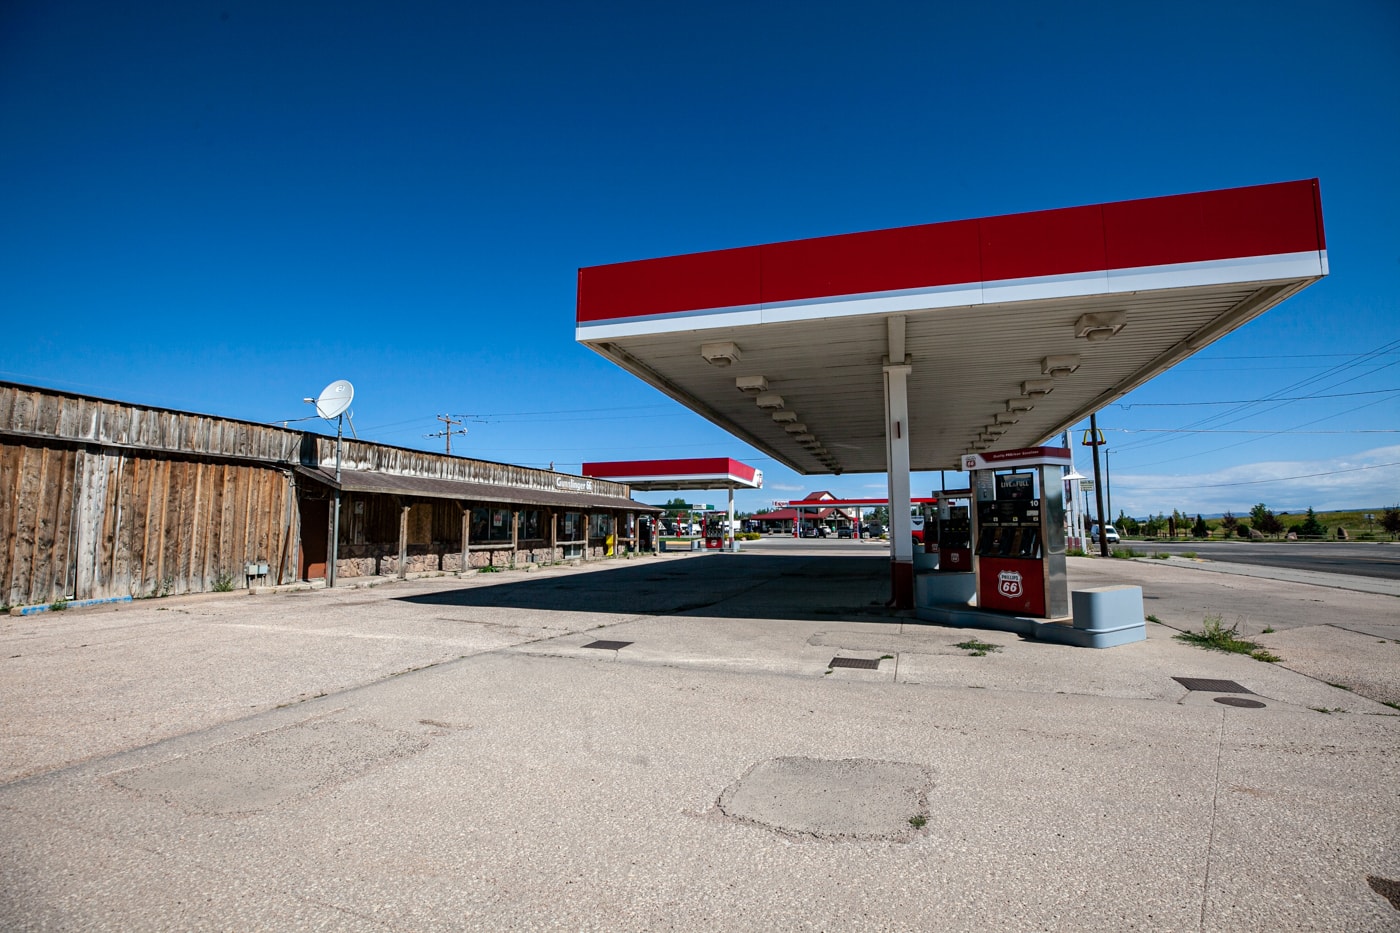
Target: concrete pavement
(450, 754)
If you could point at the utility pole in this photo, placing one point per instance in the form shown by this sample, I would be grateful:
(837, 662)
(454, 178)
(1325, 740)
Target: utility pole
(447, 432)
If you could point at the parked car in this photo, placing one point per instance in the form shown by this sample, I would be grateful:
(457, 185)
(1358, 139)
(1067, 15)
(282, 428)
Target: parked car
(845, 531)
(1110, 534)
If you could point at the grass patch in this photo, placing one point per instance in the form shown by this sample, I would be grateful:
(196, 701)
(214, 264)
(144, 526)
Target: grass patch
(1125, 553)
(489, 568)
(1076, 552)
(1323, 709)
(1214, 636)
(977, 649)
(918, 822)
(1390, 704)
(1190, 554)
(224, 583)
(58, 605)
(1152, 618)
(1160, 555)
(886, 657)
(1268, 630)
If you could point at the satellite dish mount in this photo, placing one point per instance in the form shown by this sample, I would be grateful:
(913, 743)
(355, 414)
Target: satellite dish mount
(333, 402)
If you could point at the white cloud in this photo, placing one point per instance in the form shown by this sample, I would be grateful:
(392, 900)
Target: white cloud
(1369, 479)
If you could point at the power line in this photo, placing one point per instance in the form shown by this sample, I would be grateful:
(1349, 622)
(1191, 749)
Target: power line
(1256, 482)
(1250, 401)
(1245, 431)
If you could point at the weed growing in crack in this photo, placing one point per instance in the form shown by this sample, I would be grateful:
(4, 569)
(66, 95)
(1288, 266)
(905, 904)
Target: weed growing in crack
(1214, 636)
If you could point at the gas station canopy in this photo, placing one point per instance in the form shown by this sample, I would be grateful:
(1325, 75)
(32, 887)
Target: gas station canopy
(1008, 329)
(695, 473)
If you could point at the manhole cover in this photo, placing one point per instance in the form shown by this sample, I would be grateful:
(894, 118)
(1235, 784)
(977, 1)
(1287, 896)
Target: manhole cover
(608, 645)
(1207, 685)
(1241, 702)
(852, 798)
(860, 664)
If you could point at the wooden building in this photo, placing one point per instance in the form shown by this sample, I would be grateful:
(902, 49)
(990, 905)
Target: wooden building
(107, 499)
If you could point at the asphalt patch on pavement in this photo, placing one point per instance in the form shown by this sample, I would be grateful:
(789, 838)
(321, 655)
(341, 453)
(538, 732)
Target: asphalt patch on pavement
(846, 799)
(259, 772)
(1390, 890)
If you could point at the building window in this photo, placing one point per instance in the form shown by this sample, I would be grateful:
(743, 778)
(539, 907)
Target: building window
(573, 527)
(531, 527)
(600, 525)
(491, 526)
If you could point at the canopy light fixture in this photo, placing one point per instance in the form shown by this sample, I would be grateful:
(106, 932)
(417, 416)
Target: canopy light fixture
(1007, 418)
(1100, 325)
(769, 401)
(783, 417)
(795, 427)
(720, 354)
(1060, 365)
(996, 430)
(805, 438)
(1019, 404)
(1035, 388)
(751, 385)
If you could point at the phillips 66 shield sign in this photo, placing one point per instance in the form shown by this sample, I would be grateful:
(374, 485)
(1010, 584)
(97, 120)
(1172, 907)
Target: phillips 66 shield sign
(1009, 583)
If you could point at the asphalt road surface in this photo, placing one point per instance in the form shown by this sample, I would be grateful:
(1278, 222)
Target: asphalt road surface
(1359, 559)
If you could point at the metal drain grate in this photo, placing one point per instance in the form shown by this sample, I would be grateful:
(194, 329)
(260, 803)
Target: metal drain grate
(1241, 702)
(608, 645)
(1206, 685)
(860, 664)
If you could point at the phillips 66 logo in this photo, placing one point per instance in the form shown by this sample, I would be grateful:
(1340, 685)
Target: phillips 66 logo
(1009, 583)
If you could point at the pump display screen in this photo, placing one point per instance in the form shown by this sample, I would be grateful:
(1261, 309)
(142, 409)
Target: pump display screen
(1015, 486)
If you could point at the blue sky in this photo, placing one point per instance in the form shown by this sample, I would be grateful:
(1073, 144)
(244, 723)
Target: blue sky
(224, 207)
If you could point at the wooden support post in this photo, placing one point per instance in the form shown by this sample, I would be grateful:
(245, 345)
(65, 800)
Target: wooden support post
(403, 541)
(514, 535)
(466, 535)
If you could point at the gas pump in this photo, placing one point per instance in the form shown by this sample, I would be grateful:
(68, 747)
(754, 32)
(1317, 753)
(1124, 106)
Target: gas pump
(1018, 524)
(714, 530)
(954, 534)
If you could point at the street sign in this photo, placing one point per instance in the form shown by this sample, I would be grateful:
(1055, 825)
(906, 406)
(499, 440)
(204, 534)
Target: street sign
(1086, 485)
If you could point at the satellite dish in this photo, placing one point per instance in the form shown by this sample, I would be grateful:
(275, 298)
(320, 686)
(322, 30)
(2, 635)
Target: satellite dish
(334, 399)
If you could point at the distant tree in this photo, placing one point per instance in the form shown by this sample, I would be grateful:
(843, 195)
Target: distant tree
(1126, 524)
(1199, 530)
(1270, 524)
(677, 505)
(881, 515)
(1242, 529)
(1228, 522)
(1310, 527)
(1257, 513)
(1390, 521)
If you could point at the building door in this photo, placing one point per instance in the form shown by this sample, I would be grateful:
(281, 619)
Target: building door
(315, 537)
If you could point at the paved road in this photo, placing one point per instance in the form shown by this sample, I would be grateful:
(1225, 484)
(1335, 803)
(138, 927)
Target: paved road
(1357, 559)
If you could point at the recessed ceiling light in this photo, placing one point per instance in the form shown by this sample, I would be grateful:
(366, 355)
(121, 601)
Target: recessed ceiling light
(1061, 364)
(1035, 388)
(720, 354)
(751, 385)
(1100, 326)
(769, 401)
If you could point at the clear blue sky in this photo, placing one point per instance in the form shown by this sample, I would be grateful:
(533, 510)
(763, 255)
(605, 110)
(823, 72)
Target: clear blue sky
(224, 207)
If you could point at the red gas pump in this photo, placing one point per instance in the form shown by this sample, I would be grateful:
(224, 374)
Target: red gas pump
(714, 532)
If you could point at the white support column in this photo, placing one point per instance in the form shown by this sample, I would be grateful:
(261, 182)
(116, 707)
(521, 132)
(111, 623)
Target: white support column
(897, 371)
(729, 534)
